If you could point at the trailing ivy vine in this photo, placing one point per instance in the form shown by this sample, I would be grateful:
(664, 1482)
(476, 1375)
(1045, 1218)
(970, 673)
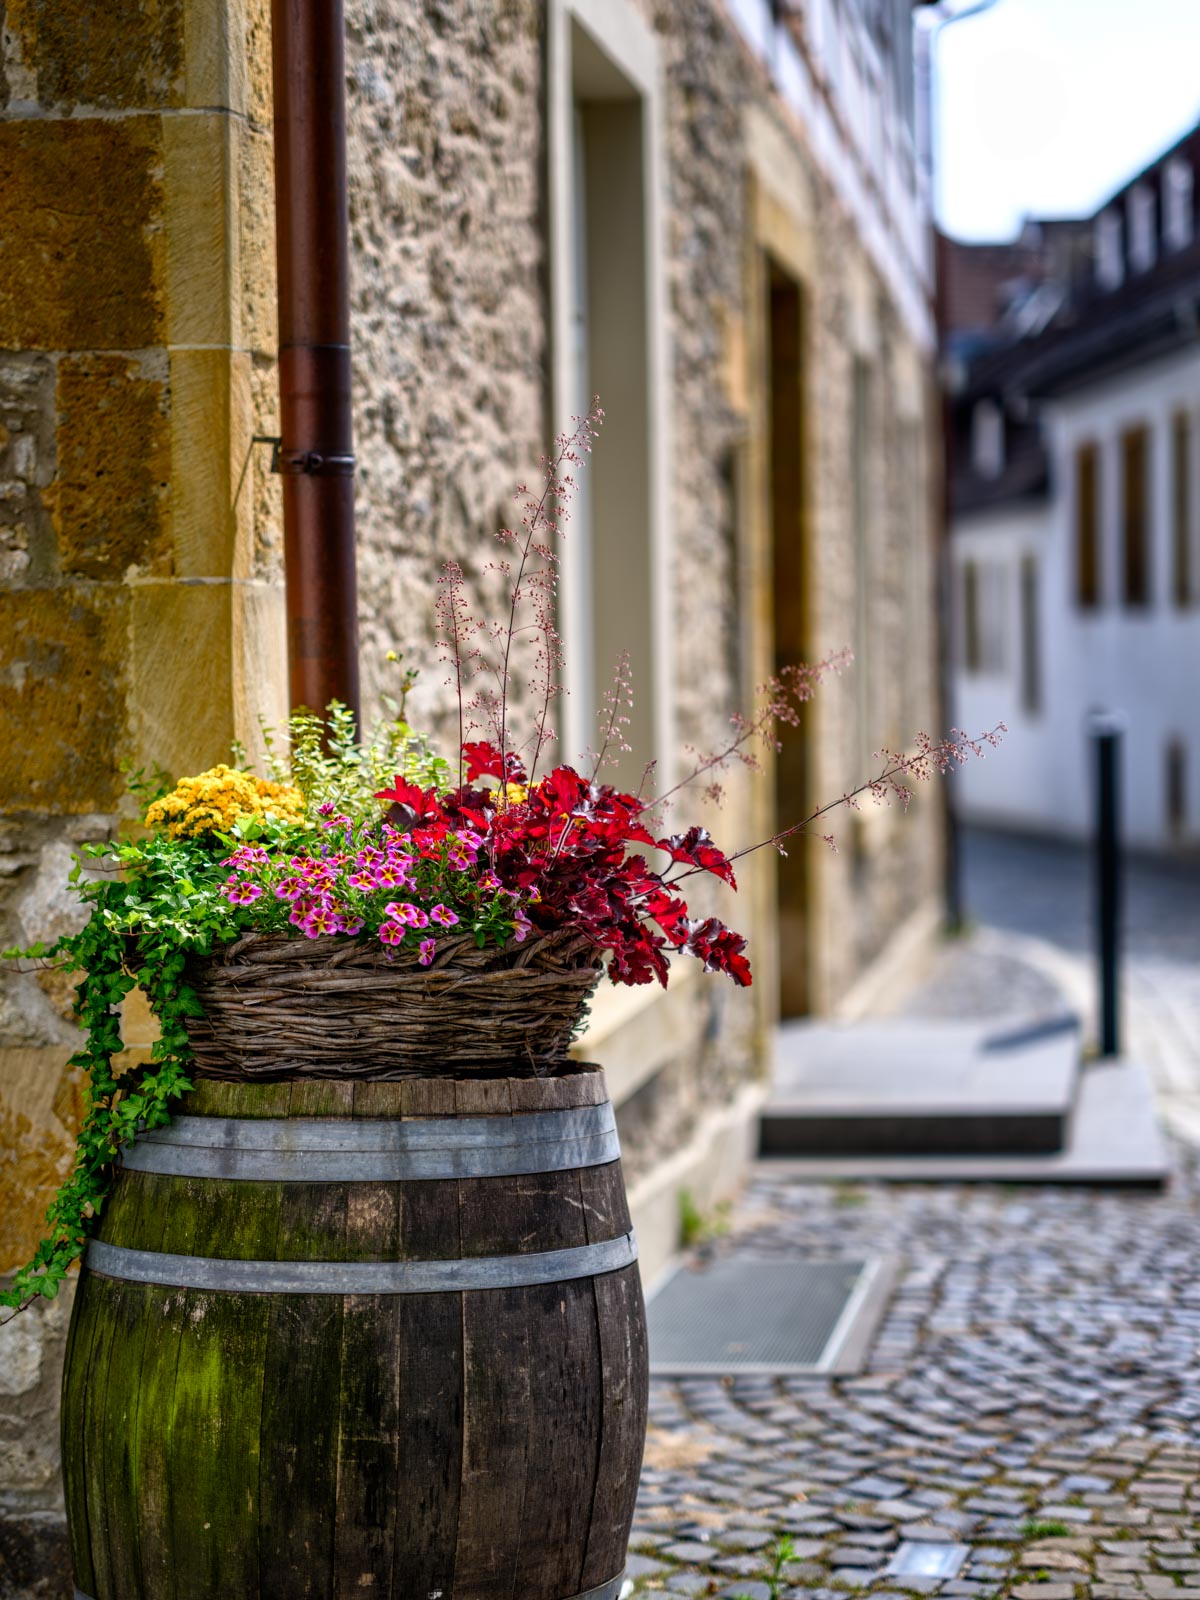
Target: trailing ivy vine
(142, 928)
(159, 899)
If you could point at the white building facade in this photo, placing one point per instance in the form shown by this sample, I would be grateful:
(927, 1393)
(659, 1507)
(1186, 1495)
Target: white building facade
(1075, 561)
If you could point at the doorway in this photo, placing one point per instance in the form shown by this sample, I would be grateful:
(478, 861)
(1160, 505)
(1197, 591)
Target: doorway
(788, 487)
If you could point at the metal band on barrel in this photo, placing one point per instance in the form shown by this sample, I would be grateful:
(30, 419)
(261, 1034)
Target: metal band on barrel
(305, 1150)
(235, 1276)
(606, 1591)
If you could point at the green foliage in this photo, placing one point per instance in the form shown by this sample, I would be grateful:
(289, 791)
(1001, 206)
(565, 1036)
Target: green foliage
(158, 901)
(697, 1226)
(324, 757)
(1036, 1529)
(140, 932)
(783, 1551)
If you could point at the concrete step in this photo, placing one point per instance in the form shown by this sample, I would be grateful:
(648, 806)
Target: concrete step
(1114, 1140)
(906, 1089)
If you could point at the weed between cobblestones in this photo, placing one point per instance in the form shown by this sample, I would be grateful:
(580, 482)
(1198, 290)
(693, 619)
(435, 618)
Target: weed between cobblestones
(781, 1555)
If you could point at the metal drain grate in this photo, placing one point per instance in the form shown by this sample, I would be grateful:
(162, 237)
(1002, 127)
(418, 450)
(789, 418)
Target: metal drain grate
(763, 1317)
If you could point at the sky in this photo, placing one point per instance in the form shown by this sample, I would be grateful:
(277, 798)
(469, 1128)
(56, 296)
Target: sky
(1046, 106)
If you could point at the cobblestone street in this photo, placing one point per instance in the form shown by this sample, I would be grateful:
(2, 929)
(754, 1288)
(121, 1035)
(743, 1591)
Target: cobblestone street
(1034, 1390)
(1033, 1393)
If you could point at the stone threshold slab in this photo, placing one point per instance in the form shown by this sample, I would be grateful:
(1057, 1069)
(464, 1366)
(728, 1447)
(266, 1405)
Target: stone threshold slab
(906, 1088)
(1114, 1139)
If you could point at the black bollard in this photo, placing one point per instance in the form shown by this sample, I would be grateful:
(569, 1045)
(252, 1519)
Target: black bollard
(1106, 737)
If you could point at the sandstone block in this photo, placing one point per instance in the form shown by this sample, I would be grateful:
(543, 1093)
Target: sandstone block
(228, 56)
(80, 238)
(258, 326)
(259, 664)
(62, 698)
(180, 669)
(256, 23)
(210, 438)
(111, 494)
(38, 1119)
(200, 240)
(132, 58)
(220, 233)
(139, 1026)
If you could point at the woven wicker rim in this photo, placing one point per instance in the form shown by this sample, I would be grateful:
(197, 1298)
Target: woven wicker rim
(278, 1007)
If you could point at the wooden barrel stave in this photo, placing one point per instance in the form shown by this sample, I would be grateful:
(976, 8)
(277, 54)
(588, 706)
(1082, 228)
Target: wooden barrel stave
(374, 1403)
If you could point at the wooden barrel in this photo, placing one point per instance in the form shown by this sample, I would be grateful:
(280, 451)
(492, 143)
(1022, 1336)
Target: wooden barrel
(339, 1339)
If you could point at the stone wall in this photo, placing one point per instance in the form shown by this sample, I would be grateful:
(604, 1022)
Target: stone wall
(450, 300)
(449, 223)
(141, 610)
(141, 600)
(448, 136)
(445, 203)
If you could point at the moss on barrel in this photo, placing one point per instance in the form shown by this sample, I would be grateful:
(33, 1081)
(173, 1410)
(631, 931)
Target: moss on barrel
(475, 1442)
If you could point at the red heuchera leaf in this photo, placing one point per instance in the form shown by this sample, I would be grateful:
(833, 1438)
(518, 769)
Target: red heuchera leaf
(421, 802)
(561, 791)
(569, 840)
(471, 808)
(639, 959)
(410, 804)
(485, 761)
(695, 847)
(720, 949)
(670, 912)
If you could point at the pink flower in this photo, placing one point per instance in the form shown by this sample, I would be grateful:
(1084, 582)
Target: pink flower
(392, 875)
(361, 880)
(427, 948)
(522, 927)
(321, 919)
(391, 933)
(289, 889)
(444, 915)
(316, 874)
(488, 880)
(240, 893)
(351, 924)
(405, 911)
(462, 849)
(246, 856)
(327, 809)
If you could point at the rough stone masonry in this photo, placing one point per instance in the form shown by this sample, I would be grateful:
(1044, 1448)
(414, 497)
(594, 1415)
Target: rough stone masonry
(140, 551)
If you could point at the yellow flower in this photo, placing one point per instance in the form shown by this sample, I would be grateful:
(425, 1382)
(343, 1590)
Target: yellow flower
(217, 799)
(516, 792)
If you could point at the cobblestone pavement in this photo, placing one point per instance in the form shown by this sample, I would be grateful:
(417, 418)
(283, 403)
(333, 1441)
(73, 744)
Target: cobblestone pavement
(1033, 1394)
(1034, 1391)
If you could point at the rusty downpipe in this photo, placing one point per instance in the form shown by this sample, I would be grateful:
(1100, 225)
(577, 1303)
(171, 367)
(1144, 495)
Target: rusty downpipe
(316, 451)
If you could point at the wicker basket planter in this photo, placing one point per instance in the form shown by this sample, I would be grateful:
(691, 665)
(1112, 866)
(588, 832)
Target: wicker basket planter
(279, 1007)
